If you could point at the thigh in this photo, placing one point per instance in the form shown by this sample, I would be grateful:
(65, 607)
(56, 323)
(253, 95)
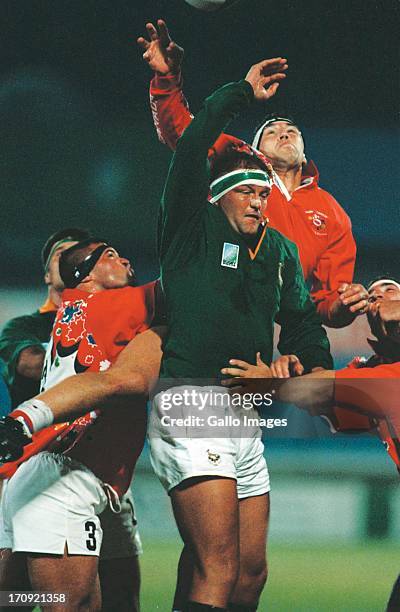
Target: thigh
(13, 571)
(14, 576)
(253, 528)
(119, 569)
(207, 514)
(73, 575)
(120, 584)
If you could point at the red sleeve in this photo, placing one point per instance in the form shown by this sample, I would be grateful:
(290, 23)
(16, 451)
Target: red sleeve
(372, 391)
(41, 440)
(171, 114)
(336, 265)
(169, 108)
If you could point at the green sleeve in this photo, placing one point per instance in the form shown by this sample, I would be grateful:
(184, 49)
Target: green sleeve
(186, 189)
(302, 333)
(17, 335)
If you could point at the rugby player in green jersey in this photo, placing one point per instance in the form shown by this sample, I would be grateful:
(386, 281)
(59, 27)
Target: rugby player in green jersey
(227, 278)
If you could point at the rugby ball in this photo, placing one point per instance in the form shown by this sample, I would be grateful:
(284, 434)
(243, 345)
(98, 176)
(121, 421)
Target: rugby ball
(209, 5)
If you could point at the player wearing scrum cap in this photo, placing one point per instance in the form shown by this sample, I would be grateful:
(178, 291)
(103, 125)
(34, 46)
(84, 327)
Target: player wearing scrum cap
(60, 490)
(297, 206)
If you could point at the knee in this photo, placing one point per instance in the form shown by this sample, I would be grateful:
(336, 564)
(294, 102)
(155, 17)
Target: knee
(220, 566)
(89, 602)
(260, 578)
(252, 579)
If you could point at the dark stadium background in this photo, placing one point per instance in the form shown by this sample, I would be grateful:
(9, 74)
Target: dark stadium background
(78, 148)
(77, 142)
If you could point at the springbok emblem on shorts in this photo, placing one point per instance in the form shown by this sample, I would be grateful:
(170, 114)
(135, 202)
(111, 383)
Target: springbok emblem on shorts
(213, 458)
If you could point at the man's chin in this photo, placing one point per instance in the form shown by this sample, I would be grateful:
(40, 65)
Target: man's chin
(251, 230)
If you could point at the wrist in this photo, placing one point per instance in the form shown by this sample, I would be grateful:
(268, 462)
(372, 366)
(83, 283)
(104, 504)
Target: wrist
(170, 74)
(339, 315)
(166, 82)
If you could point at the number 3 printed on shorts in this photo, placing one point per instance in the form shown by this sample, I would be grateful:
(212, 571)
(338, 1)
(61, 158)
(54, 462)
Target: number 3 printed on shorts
(91, 543)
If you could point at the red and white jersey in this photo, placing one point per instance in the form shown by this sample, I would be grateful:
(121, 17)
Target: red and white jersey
(89, 332)
(310, 216)
(91, 329)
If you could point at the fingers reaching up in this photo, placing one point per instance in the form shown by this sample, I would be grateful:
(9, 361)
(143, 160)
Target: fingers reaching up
(265, 77)
(161, 53)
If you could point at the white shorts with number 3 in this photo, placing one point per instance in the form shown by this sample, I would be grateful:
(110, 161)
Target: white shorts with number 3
(51, 504)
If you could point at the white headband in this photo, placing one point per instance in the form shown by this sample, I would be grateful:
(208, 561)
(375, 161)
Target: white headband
(258, 134)
(384, 281)
(242, 176)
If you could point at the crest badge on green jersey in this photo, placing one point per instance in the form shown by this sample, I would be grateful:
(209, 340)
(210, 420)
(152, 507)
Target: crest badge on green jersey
(230, 255)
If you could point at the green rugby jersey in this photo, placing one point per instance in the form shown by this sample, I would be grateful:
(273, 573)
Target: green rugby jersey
(222, 301)
(18, 334)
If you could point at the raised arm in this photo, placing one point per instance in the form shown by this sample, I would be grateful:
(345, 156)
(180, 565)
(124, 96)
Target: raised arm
(187, 185)
(169, 107)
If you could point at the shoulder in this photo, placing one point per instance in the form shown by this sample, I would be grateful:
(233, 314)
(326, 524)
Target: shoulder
(33, 319)
(125, 296)
(332, 207)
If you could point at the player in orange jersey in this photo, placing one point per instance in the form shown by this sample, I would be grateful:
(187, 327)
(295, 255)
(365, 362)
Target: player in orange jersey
(100, 314)
(297, 206)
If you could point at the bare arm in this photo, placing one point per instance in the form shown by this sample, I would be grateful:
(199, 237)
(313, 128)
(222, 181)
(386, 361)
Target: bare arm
(132, 375)
(312, 392)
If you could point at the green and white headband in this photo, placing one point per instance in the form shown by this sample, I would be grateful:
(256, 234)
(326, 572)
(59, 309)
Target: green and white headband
(229, 181)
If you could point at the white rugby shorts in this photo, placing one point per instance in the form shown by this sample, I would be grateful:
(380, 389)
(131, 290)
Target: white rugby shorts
(120, 535)
(53, 501)
(176, 459)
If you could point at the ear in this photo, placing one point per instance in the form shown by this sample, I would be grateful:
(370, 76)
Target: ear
(47, 278)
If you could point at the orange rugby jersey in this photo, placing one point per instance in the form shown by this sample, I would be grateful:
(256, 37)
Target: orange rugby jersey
(90, 331)
(373, 392)
(310, 216)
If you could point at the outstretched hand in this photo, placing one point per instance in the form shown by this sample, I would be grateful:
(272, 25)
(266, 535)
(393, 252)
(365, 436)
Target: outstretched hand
(161, 53)
(265, 77)
(243, 369)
